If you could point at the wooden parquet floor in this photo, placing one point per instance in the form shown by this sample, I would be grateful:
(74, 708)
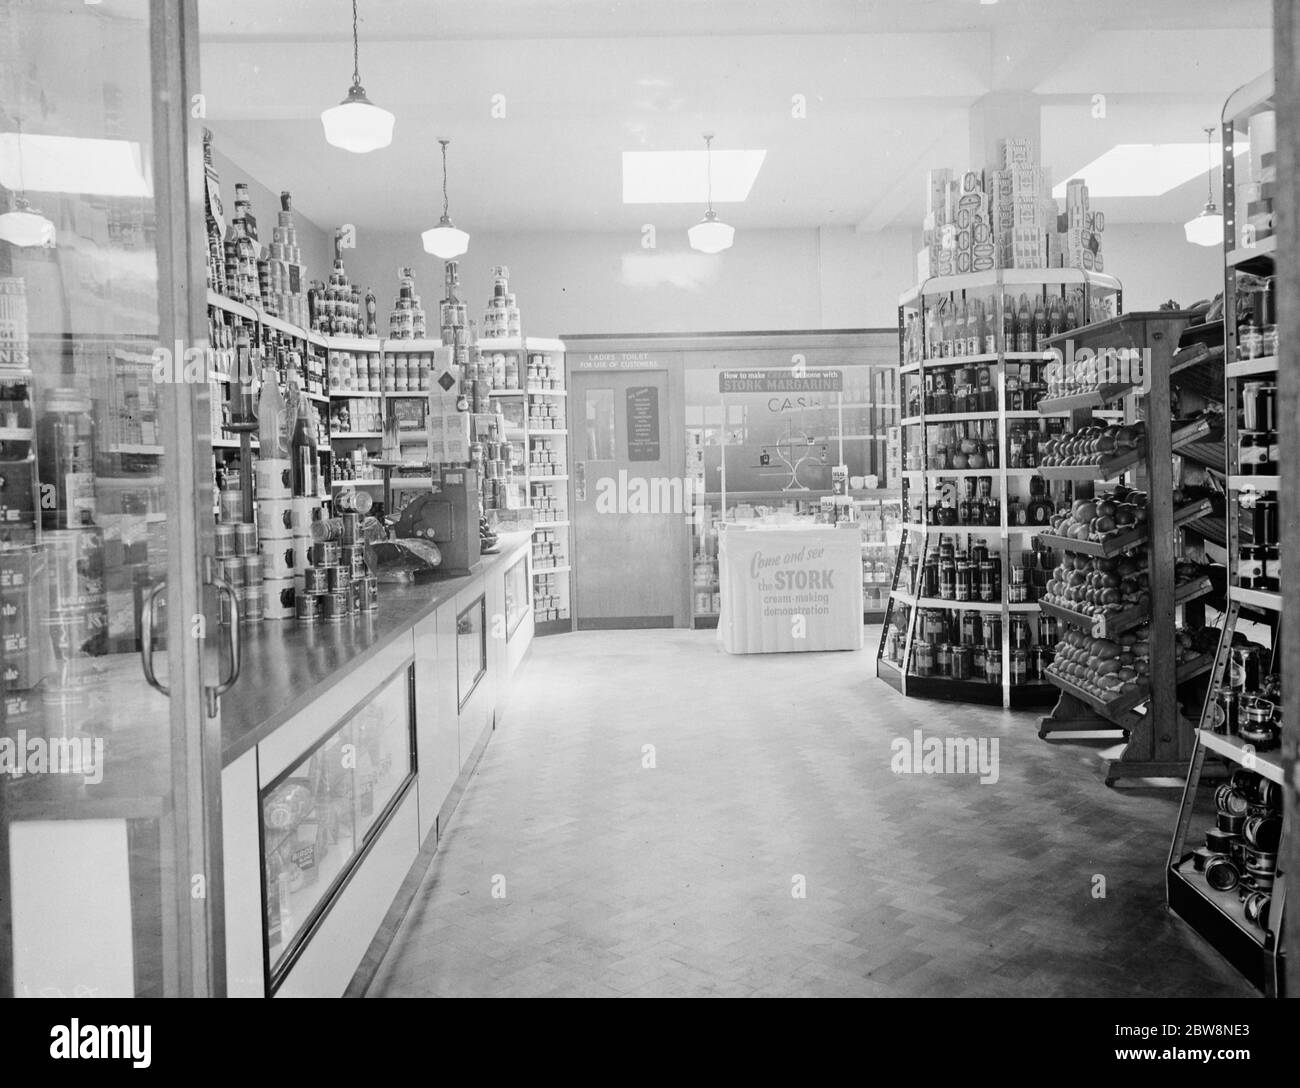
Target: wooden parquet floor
(613, 879)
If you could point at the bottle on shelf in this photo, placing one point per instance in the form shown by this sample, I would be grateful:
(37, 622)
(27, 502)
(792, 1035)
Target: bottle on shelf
(270, 418)
(303, 450)
(1024, 326)
(1040, 324)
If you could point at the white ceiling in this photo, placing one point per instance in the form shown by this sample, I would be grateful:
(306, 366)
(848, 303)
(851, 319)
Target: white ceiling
(888, 85)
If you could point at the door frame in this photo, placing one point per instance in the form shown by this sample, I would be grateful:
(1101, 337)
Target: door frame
(672, 420)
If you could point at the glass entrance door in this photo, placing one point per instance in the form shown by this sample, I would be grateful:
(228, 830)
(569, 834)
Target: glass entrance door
(108, 866)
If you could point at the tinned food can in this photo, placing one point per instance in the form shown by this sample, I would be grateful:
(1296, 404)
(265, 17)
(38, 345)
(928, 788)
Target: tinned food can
(316, 580)
(335, 607)
(325, 553)
(246, 538)
(370, 599)
(225, 540)
(309, 607)
(338, 579)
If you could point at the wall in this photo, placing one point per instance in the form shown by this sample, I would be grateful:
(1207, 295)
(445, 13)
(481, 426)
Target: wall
(316, 243)
(827, 278)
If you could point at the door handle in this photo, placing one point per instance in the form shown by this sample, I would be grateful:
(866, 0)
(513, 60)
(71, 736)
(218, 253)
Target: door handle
(146, 638)
(213, 693)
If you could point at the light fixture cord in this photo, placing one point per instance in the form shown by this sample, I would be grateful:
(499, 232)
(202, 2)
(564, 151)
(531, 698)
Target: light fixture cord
(356, 56)
(708, 167)
(1209, 158)
(444, 177)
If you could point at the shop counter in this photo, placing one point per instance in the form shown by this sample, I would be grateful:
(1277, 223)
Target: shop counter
(345, 750)
(790, 588)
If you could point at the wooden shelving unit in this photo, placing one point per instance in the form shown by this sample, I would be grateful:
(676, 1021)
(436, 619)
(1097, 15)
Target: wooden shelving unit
(895, 659)
(1159, 739)
(1256, 950)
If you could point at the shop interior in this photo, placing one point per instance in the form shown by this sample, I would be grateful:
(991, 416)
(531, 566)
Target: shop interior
(435, 433)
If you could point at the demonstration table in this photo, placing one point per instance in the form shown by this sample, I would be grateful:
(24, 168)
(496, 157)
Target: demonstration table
(790, 588)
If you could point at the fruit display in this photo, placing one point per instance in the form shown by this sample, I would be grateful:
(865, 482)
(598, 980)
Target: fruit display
(1094, 585)
(1119, 510)
(1110, 669)
(1091, 445)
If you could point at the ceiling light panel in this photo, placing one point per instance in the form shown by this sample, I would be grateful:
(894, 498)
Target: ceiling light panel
(1142, 169)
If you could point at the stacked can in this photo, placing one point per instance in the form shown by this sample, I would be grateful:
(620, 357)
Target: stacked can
(238, 558)
(275, 526)
(337, 583)
(305, 512)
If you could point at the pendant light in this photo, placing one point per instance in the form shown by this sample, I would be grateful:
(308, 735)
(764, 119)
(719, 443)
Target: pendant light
(445, 240)
(710, 234)
(23, 225)
(356, 123)
(1207, 228)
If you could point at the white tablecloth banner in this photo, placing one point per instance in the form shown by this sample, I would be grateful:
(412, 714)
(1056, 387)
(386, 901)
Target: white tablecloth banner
(790, 589)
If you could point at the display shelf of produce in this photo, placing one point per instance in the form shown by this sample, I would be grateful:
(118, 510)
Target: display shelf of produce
(1121, 463)
(1122, 704)
(549, 525)
(230, 306)
(546, 432)
(505, 392)
(1122, 542)
(1220, 917)
(355, 434)
(546, 479)
(972, 606)
(405, 394)
(1112, 624)
(547, 393)
(1247, 368)
(1256, 598)
(353, 394)
(1093, 398)
(405, 347)
(1269, 763)
(1254, 483)
(1244, 256)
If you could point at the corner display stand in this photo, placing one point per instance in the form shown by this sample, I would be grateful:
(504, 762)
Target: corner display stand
(895, 658)
(1159, 738)
(1253, 947)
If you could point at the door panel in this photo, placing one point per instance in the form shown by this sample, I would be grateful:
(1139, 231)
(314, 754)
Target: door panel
(100, 542)
(629, 505)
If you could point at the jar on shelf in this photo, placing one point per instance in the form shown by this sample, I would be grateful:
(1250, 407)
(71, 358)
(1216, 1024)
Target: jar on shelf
(993, 666)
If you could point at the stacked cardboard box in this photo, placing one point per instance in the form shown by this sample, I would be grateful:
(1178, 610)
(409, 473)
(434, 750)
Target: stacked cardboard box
(1006, 218)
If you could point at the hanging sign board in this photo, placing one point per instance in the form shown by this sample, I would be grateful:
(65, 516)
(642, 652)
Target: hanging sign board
(780, 381)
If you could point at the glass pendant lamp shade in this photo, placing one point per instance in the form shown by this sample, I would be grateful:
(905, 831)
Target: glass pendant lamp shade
(445, 240)
(25, 226)
(357, 124)
(1206, 229)
(710, 234)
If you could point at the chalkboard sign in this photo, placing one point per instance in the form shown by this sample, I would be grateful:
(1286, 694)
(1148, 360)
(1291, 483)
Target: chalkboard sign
(643, 423)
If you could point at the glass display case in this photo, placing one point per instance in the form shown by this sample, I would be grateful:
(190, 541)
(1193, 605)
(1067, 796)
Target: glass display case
(471, 649)
(517, 596)
(319, 815)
